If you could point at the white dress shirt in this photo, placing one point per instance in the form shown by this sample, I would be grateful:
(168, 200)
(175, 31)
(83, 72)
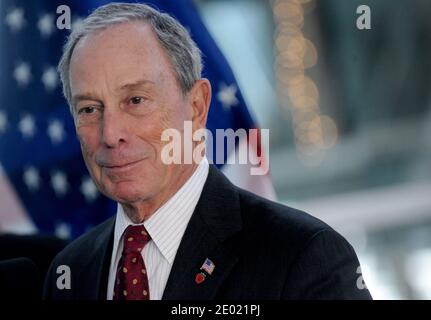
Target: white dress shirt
(166, 228)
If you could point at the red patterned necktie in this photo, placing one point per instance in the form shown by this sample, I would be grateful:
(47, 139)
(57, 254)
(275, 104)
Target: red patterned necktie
(131, 282)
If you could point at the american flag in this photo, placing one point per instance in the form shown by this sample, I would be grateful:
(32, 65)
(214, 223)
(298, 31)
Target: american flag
(44, 184)
(208, 266)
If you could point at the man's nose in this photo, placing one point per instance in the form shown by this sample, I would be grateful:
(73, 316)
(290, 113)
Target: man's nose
(113, 129)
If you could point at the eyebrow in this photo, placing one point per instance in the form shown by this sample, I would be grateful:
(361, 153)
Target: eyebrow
(136, 84)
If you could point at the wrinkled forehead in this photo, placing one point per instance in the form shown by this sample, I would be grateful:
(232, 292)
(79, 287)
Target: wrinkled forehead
(117, 53)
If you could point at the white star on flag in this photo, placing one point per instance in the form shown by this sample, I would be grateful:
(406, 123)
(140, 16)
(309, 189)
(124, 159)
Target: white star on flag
(22, 74)
(15, 19)
(31, 178)
(56, 131)
(76, 23)
(88, 189)
(50, 79)
(3, 121)
(226, 96)
(59, 183)
(63, 230)
(46, 25)
(27, 126)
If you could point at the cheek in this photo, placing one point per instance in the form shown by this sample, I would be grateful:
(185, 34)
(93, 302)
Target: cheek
(173, 117)
(151, 129)
(88, 139)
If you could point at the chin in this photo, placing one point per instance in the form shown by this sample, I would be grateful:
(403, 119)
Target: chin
(129, 192)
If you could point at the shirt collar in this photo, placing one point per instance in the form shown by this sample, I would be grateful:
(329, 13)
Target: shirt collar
(168, 224)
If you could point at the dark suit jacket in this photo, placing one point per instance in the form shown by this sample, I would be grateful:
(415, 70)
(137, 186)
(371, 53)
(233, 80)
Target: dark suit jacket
(261, 250)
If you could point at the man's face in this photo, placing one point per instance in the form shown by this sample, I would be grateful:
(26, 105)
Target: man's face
(125, 94)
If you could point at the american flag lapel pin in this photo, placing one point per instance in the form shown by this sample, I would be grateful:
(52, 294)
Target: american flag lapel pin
(206, 270)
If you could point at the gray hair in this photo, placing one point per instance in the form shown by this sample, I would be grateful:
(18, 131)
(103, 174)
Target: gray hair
(173, 37)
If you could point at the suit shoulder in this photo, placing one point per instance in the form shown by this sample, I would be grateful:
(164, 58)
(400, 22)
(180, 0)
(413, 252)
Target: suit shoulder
(276, 218)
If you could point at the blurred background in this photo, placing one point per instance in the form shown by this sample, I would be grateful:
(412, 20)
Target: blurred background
(349, 113)
(350, 120)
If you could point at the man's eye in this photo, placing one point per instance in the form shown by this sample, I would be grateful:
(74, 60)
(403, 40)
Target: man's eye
(136, 100)
(87, 110)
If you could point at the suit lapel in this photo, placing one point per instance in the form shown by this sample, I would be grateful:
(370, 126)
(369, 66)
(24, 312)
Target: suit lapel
(215, 220)
(93, 277)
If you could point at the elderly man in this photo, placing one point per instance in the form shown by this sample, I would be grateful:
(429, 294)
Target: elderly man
(182, 231)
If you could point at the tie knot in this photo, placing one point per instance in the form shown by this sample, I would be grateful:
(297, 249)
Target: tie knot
(135, 239)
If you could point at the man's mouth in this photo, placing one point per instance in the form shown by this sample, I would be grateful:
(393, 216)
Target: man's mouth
(123, 166)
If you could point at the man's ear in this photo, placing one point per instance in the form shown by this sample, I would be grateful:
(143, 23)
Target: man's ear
(200, 99)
